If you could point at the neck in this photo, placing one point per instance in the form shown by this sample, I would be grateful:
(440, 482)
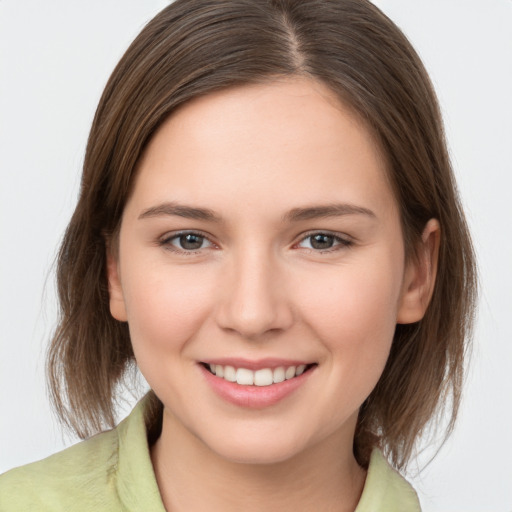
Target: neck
(192, 478)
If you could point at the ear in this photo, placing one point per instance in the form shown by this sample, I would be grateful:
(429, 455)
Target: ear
(115, 290)
(420, 276)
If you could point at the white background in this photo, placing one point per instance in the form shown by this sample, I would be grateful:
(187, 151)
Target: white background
(55, 57)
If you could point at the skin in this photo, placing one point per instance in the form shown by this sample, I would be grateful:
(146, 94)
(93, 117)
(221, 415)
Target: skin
(257, 287)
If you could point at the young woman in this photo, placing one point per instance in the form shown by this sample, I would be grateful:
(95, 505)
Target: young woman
(268, 228)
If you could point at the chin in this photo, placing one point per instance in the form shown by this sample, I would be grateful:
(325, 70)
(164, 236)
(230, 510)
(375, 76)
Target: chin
(259, 449)
(259, 455)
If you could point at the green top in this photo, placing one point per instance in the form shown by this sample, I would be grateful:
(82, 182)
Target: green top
(112, 472)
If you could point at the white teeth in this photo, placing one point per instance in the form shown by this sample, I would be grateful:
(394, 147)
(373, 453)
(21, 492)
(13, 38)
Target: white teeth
(230, 373)
(263, 377)
(278, 374)
(300, 369)
(290, 372)
(244, 377)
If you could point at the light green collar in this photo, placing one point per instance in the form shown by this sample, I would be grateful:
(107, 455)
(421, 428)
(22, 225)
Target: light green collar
(385, 490)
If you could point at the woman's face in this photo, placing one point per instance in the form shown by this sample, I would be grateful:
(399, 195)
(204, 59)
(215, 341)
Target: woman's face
(262, 238)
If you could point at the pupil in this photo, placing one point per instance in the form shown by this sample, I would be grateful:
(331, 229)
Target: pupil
(321, 241)
(191, 241)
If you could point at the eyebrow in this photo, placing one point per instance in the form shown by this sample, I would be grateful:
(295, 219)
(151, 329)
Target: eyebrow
(294, 215)
(180, 210)
(322, 211)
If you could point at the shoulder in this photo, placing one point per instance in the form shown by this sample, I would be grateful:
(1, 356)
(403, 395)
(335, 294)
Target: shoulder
(109, 472)
(386, 490)
(78, 478)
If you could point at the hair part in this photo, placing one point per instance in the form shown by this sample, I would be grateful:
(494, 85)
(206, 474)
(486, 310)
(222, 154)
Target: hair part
(195, 47)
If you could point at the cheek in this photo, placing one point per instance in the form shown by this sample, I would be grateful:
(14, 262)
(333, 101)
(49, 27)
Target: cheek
(165, 309)
(354, 314)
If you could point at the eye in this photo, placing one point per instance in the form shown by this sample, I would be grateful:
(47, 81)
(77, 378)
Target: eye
(324, 242)
(186, 242)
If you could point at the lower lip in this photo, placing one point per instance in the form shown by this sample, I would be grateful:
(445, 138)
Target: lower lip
(254, 397)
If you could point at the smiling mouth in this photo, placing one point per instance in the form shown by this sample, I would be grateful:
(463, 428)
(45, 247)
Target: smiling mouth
(261, 377)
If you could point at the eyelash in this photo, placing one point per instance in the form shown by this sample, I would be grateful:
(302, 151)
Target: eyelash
(340, 242)
(166, 242)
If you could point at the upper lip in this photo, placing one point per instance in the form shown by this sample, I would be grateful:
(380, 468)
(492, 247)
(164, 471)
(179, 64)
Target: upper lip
(258, 364)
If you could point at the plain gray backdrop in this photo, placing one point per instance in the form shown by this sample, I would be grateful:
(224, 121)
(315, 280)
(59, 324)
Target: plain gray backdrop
(55, 58)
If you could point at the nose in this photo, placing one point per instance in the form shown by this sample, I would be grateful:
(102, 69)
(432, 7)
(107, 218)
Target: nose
(254, 301)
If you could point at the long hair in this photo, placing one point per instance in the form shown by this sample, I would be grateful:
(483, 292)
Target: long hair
(195, 47)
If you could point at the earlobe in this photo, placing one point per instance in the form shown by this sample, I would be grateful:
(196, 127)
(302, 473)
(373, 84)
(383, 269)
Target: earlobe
(420, 276)
(115, 290)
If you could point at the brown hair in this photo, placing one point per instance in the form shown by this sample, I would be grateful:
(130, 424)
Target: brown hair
(194, 47)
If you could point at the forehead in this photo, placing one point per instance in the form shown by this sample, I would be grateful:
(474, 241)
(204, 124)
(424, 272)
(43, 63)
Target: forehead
(271, 145)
